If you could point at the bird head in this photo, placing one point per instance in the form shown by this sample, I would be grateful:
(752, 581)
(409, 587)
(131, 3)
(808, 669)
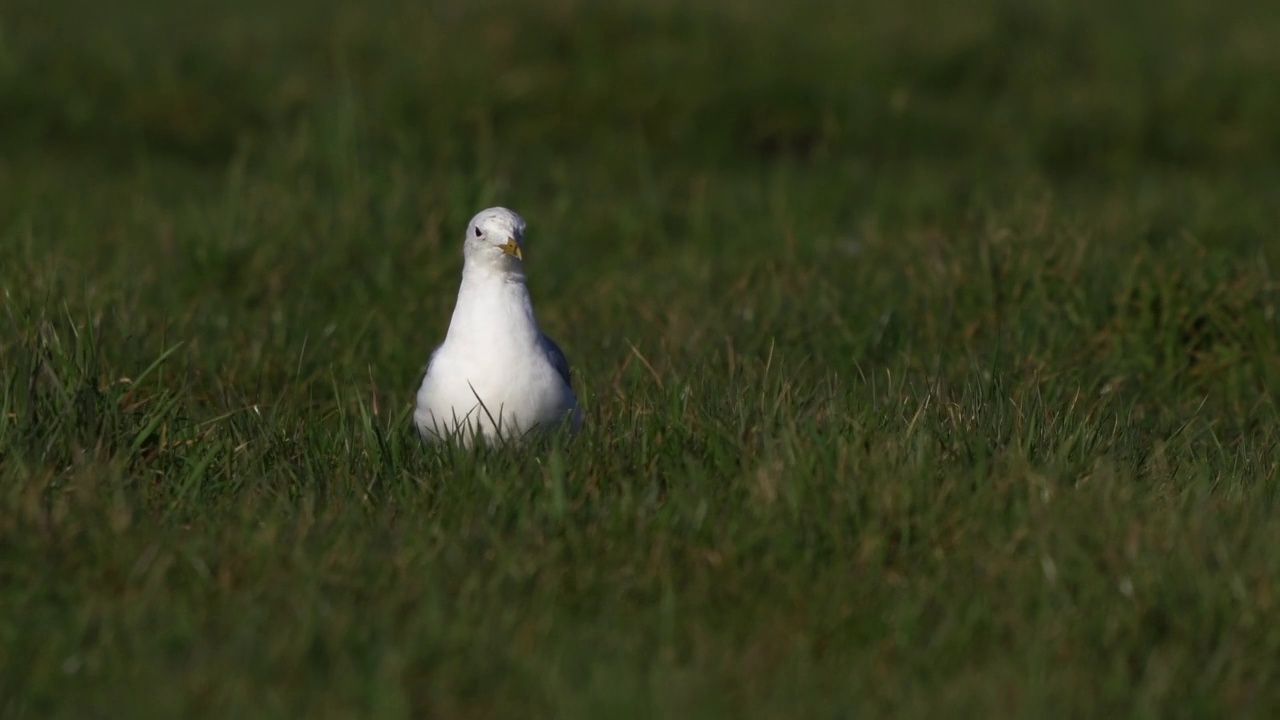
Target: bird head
(495, 237)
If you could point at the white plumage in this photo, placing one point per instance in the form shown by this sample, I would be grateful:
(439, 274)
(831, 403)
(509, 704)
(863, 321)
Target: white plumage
(495, 373)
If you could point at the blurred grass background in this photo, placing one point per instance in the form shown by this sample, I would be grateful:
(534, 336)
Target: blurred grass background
(928, 351)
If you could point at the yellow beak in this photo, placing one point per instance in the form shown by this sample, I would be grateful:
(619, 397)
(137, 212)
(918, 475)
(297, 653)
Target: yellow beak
(510, 247)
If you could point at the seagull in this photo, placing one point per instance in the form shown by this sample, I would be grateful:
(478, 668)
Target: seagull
(496, 374)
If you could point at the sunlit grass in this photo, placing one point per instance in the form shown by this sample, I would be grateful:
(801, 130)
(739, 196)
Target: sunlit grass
(927, 356)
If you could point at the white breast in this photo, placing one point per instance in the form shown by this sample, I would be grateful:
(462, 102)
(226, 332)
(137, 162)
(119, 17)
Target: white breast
(491, 374)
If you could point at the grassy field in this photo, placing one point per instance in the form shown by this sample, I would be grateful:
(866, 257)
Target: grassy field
(929, 353)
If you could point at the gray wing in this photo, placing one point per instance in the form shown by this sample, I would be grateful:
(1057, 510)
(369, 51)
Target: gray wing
(557, 358)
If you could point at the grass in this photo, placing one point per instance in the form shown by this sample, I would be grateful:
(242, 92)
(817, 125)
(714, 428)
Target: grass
(929, 354)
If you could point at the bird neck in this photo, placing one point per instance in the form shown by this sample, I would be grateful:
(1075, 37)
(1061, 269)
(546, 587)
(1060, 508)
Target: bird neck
(493, 307)
(486, 271)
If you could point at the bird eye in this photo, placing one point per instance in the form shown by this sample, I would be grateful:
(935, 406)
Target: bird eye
(479, 233)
